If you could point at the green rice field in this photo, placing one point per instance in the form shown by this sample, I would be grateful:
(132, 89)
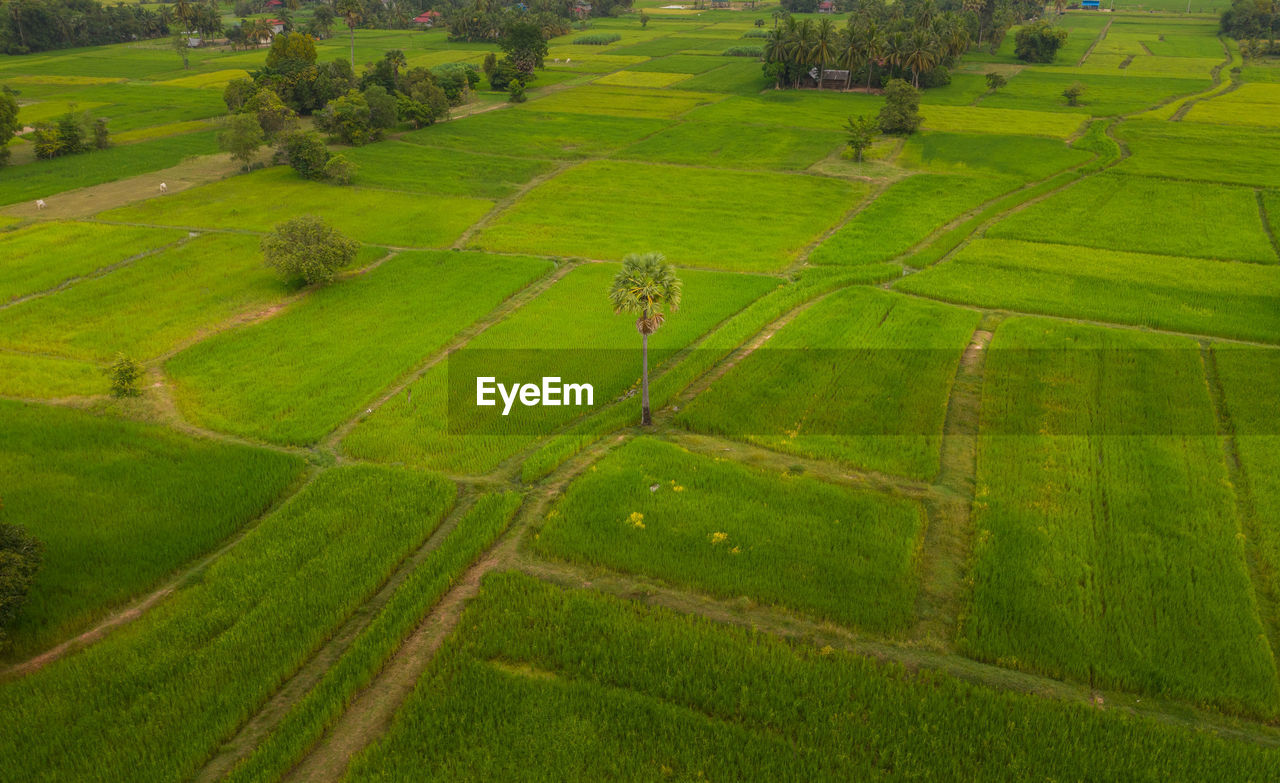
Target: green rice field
(956, 459)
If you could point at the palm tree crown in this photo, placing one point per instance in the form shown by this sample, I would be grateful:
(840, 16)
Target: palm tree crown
(644, 286)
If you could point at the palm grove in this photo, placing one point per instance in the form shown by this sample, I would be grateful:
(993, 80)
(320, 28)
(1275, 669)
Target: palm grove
(914, 39)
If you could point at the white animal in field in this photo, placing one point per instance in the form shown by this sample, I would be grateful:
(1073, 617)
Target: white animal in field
(40, 204)
(164, 188)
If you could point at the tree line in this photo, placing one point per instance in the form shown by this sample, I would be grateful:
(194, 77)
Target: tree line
(40, 25)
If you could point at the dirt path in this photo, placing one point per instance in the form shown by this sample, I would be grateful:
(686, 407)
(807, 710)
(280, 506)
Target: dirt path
(85, 202)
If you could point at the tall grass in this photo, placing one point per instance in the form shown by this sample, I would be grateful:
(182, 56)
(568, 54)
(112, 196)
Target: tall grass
(118, 505)
(314, 713)
(653, 508)
(152, 701)
(40, 256)
(598, 688)
(1139, 579)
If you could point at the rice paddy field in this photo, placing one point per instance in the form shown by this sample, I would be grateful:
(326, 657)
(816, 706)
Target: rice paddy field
(963, 457)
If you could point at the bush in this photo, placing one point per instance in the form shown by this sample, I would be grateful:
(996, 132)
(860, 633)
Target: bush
(744, 51)
(274, 117)
(306, 152)
(339, 170)
(242, 137)
(938, 77)
(101, 136)
(20, 555)
(901, 111)
(349, 119)
(756, 33)
(503, 74)
(9, 124)
(237, 93)
(597, 39)
(124, 374)
(996, 80)
(515, 92)
(382, 107)
(307, 250)
(457, 80)
(1039, 42)
(1073, 93)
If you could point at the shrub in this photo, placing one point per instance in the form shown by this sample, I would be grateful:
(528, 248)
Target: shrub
(382, 107)
(457, 80)
(241, 136)
(503, 74)
(515, 92)
(597, 39)
(744, 51)
(756, 33)
(272, 114)
(340, 170)
(995, 81)
(20, 555)
(348, 119)
(124, 374)
(1039, 42)
(938, 77)
(306, 153)
(65, 137)
(1073, 93)
(8, 122)
(901, 111)
(490, 62)
(307, 250)
(237, 93)
(101, 136)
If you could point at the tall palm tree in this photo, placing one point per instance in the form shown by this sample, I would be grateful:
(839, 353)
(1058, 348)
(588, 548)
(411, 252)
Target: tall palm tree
(801, 44)
(644, 287)
(824, 49)
(852, 55)
(895, 47)
(775, 51)
(919, 53)
(351, 11)
(871, 41)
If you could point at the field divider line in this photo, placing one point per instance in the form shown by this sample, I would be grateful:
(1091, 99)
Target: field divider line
(875, 192)
(1262, 576)
(274, 710)
(1266, 222)
(1217, 88)
(502, 205)
(372, 709)
(1101, 36)
(1088, 321)
(99, 272)
(509, 305)
(131, 611)
(913, 657)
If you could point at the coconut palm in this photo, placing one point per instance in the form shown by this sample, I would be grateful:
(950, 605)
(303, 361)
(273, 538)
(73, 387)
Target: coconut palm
(801, 44)
(824, 50)
(851, 54)
(920, 54)
(645, 287)
(352, 11)
(871, 41)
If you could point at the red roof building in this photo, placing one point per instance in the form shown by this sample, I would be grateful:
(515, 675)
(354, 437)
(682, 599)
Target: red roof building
(427, 18)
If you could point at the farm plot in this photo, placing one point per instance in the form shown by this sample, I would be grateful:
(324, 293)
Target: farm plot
(26, 376)
(904, 215)
(596, 687)
(861, 378)
(788, 109)
(260, 200)
(39, 257)
(118, 505)
(417, 169)
(738, 78)
(1025, 157)
(130, 106)
(152, 701)
(641, 78)
(1194, 151)
(679, 63)
(976, 119)
(593, 343)
(704, 220)
(1171, 217)
(731, 530)
(1162, 292)
(714, 144)
(296, 376)
(1104, 96)
(149, 306)
(1250, 379)
(621, 102)
(49, 177)
(537, 135)
(1139, 579)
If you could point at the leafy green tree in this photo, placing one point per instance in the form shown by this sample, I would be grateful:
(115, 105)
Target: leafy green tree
(423, 101)
(242, 136)
(503, 74)
(490, 62)
(322, 21)
(306, 152)
(1073, 93)
(901, 111)
(101, 136)
(124, 374)
(291, 52)
(646, 287)
(274, 117)
(340, 170)
(382, 107)
(179, 45)
(860, 134)
(995, 81)
(515, 92)
(20, 556)
(307, 250)
(237, 93)
(8, 123)
(348, 119)
(523, 42)
(1038, 42)
(644, 20)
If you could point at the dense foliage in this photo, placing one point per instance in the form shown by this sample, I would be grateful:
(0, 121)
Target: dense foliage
(1251, 20)
(8, 123)
(20, 555)
(307, 250)
(1039, 42)
(40, 25)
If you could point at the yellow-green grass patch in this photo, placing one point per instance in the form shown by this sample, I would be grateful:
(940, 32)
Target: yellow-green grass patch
(701, 522)
(160, 131)
(641, 78)
(260, 200)
(975, 119)
(606, 209)
(537, 135)
(213, 79)
(621, 102)
(296, 376)
(26, 376)
(716, 144)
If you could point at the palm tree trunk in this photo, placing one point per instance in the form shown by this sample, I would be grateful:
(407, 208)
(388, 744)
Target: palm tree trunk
(352, 28)
(645, 418)
(871, 69)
